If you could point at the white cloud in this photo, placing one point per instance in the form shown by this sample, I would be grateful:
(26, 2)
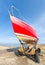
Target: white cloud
(11, 38)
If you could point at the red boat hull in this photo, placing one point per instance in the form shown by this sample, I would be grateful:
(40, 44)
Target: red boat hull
(22, 30)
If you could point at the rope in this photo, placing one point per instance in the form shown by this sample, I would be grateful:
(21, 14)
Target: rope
(11, 9)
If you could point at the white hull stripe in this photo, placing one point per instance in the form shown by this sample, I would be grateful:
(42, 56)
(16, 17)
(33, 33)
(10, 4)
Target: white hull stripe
(23, 35)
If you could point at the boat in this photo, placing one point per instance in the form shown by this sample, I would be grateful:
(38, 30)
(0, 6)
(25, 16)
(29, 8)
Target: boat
(27, 34)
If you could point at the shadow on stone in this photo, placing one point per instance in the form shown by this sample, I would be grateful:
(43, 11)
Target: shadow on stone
(15, 50)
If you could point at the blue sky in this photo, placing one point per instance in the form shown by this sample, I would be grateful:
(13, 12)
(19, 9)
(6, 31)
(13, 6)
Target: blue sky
(32, 12)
